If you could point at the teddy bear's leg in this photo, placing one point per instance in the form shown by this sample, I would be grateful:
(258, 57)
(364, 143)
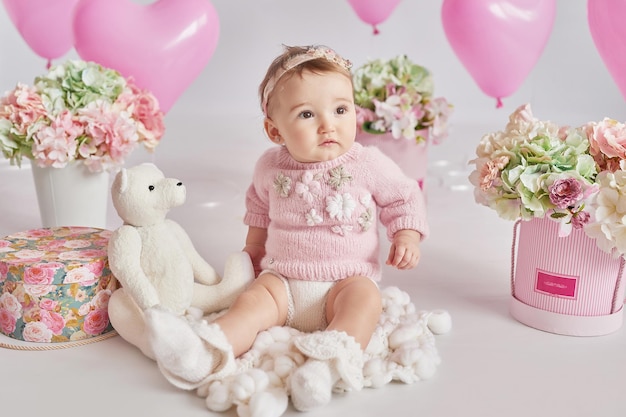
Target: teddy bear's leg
(128, 320)
(238, 273)
(189, 353)
(334, 359)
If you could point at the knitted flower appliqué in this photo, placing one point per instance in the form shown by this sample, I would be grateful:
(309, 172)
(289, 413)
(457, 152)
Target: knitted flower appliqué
(313, 218)
(338, 177)
(282, 185)
(308, 187)
(340, 206)
(366, 219)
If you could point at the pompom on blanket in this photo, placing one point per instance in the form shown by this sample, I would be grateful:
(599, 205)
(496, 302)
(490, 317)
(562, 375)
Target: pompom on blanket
(401, 349)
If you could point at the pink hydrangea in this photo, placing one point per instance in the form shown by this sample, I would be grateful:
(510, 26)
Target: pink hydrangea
(23, 107)
(55, 145)
(144, 108)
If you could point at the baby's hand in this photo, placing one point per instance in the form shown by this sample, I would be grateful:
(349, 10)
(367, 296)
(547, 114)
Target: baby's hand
(256, 252)
(405, 249)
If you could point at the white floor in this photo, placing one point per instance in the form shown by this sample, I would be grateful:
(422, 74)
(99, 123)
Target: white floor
(492, 366)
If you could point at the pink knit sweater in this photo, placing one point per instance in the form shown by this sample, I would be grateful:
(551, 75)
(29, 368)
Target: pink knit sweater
(321, 217)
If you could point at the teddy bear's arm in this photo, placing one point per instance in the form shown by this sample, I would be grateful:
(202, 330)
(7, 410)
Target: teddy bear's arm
(203, 273)
(124, 253)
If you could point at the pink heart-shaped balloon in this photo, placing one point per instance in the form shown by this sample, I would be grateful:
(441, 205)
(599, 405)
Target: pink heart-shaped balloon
(45, 25)
(499, 42)
(164, 45)
(608, 30)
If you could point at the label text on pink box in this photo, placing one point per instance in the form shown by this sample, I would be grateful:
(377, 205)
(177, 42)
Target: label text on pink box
(559, 285)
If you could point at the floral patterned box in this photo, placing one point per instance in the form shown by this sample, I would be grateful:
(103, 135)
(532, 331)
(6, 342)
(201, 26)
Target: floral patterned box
(55, 284)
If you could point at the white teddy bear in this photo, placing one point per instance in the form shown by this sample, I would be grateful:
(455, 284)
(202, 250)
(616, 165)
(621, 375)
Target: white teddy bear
(155, 260)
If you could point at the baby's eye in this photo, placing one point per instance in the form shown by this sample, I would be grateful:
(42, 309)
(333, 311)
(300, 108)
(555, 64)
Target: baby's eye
(306, 114)
(342, 110)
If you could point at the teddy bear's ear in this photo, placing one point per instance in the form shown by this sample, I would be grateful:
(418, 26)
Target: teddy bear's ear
(123, 180)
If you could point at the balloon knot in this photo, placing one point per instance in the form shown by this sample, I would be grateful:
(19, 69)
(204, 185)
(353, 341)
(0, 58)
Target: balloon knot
(376, 31)
(48, 64)
(498, 103)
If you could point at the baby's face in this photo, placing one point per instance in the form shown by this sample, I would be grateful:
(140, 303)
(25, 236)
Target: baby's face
(314, 116)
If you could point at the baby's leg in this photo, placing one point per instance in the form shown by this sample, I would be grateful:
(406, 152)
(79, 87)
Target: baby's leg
(353, 309)
(354, 306)
(262, 305)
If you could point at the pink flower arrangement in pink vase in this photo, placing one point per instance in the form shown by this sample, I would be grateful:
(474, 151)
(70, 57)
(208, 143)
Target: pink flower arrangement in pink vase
(573, 175)
(395, 96)
(78, 111)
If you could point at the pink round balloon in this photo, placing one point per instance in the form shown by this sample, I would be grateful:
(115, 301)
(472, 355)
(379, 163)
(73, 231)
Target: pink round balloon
(606, 23)
(45, 25)
(164, 45)
(498, 42)
(373, 11)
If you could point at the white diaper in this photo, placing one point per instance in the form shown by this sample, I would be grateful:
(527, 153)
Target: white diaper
(306, 303)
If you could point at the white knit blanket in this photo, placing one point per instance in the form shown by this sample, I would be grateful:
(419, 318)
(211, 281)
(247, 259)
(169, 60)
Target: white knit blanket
(401, 349)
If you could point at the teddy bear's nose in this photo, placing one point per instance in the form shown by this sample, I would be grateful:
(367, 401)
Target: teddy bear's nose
(179, 183)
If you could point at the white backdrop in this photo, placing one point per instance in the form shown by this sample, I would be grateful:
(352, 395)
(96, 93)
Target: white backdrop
(569, 84)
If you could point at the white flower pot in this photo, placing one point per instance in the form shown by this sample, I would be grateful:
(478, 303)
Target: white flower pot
(71, 196)
(412, 157)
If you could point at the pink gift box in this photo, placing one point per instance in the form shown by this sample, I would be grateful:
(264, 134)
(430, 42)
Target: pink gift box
(55, 284)
(565, 285)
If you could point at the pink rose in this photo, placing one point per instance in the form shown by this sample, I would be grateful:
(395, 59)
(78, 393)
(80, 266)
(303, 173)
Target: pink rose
(7, 321)
(4, 271)
(34, 234)
(96, 322)
(39, 275)
(30, 255)
(96, 267)
(48, 304)
(565, 193)
(83, 255)
(10, 304)
(53, 321)
(101, 299)
(607, 139)
(80, 275)
(77, 243)
(39, 290)
(35, 331)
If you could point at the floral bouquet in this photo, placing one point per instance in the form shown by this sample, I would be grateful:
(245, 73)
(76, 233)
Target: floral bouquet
(396, 96)
(575, 176)
(78, 111)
